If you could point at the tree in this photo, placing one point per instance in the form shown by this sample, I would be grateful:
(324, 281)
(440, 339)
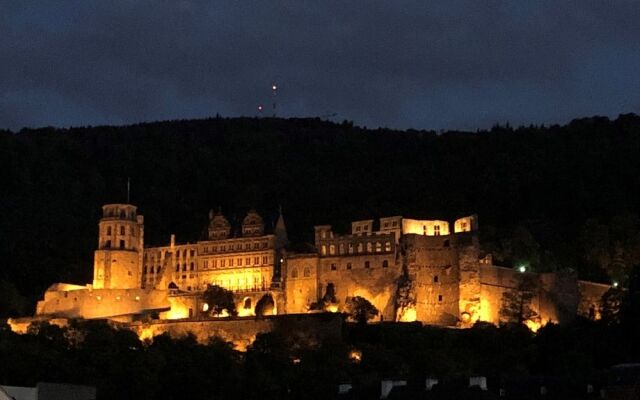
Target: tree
(219, 300)
(516, 303)
(360, 309)
(265, 306)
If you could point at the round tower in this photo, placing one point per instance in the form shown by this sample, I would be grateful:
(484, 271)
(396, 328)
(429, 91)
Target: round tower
(118, 259)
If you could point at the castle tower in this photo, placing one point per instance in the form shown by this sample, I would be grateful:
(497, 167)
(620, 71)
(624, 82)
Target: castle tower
(252, 224)
(118, 260)
(219, 226)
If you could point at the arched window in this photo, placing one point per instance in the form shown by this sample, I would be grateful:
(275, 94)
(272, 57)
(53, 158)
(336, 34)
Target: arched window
(247, 303)
(359, 247)
(184, 267)
(350, 248)
(177, 267)
(378, 247)
(369, 247)
(324, 250)
(191, 266)
(307, 272)
(332, 249)
(294, 273)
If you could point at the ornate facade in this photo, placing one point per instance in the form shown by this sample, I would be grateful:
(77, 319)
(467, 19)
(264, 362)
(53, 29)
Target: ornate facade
(410, 270)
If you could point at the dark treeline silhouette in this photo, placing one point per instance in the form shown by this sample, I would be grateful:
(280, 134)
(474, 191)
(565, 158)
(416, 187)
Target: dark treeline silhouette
(553, 197)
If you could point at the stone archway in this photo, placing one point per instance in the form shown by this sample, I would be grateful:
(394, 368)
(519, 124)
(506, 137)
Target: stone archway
(266, 306)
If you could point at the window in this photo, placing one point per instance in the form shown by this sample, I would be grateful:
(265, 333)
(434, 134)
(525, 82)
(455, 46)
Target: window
(349, 265)
(436, 230)
(367, 264)
(192, 266)
(131, 232)
(256, 260)
(324, 234)
(324, 250)
(387, 246)
(122, 244)
(357, 229)
(463, 225)
(239, 262)
(177, 267)
(222, 262)
(294, 273)
(144, 271)
(256, 245)
(394, 223)
(108, 230)
(424, 230)
(192, 253)
(386, 224)
(247, 261)
(341, 248)
(435, 279)
(378, 247)
(332, 249)
(360, 247)
(385, 264)
(206, 264)
(177, 253)
(215, 263)
(369, 247)
(439, 298)
(231, 262)
(122, 230)
(107, 244)
(307, 272)
(184, 267)
(265, 260)
(350, 248)
(158, 269)
(334, 267)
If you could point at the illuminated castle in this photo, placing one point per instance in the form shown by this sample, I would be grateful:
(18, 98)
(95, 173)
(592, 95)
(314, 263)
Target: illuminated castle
(425, 270)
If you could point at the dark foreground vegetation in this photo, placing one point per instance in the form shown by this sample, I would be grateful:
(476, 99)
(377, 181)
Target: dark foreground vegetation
(287, 365)
(552, 197)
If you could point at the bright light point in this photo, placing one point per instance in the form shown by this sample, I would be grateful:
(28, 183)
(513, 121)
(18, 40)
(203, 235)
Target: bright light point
(522, 268)
(274, 87)
(355, 356)
(615, 284)
(205, 307)
(259, 108)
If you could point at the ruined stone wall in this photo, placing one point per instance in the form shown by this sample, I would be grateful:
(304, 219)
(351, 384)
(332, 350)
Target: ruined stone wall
(101, 303)
(469, 284)
(432, 264)
(242, 332)
(301, 282)
(351, 277)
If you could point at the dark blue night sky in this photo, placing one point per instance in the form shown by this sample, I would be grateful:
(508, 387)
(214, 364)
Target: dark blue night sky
(400, 64)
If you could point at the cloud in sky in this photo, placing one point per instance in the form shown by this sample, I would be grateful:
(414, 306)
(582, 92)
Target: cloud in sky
(455, 64)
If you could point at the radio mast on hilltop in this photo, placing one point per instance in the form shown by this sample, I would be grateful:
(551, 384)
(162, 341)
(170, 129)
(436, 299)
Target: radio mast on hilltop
(274, 90)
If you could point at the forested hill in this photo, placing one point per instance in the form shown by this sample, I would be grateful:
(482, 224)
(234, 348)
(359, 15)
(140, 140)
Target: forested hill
(554, 197)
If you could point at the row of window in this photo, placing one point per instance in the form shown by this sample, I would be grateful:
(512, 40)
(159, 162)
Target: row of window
(236, 262)
(306, 272)
(132, 231)
(107, 244)
(359, 248)
(367, 264)
(235, 247)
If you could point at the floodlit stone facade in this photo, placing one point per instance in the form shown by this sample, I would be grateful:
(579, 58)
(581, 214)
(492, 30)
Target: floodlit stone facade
(409, 269)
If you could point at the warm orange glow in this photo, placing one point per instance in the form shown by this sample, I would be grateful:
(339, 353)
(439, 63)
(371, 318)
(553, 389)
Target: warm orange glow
(533, 325)
(332, 308)
(355, 356)
(425, 227)
(407, 315)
